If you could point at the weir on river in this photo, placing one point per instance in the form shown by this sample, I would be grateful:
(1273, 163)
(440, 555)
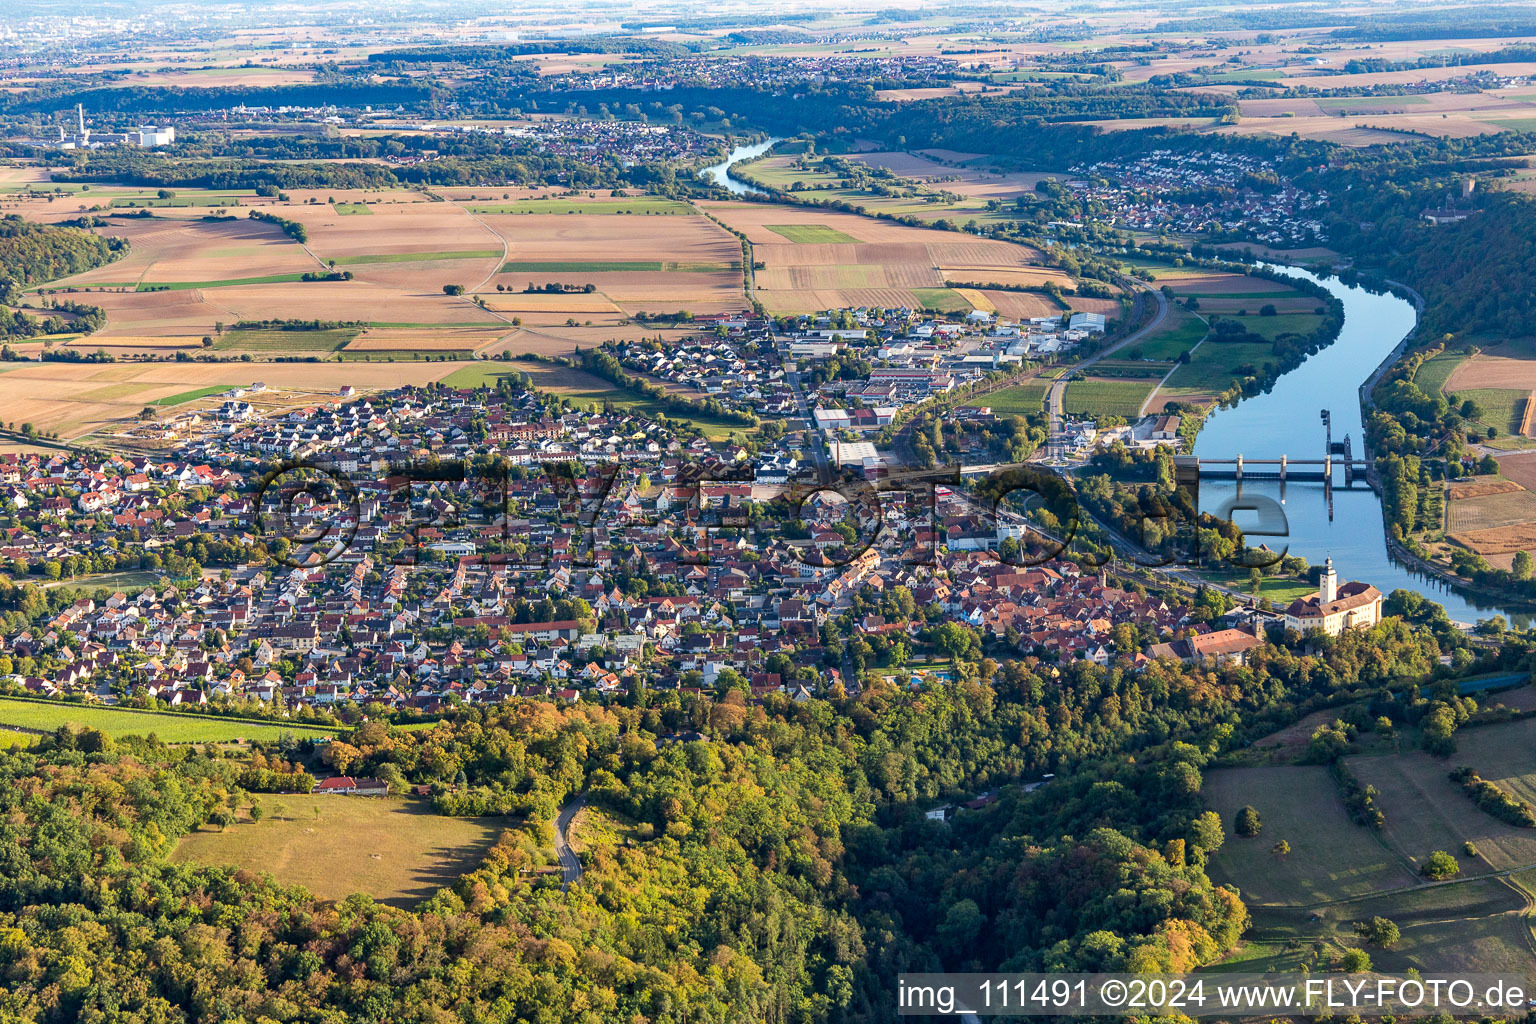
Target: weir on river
(1267, 426)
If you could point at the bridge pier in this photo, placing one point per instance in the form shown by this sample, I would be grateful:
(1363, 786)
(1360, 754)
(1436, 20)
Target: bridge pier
(1239, 469)
(1282, 469)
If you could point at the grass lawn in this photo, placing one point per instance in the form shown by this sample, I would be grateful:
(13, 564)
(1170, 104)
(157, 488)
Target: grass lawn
(397, 851)
(128, 579)
(1178, 333)
(190, 396)
(286, 341)
(1278, 589)
(1106, 397)
(172, 727)
(623, 204)
(811, 234)
(352, 209)
(1331, 857)
(1019, 400)
(418, 257)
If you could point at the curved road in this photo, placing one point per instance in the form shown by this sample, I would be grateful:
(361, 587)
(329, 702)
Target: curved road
(1058, 390)
(570, 864)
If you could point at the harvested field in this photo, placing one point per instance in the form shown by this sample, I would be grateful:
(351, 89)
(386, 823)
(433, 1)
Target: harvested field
(166, 250)
(1488, 511)
(438, 339)
(691, 263)
(1497, 372)
(882, 263)
(549, 302)
(1501, 540)
(77, 399)
(965, 181)
(1482, 488)
(1024, 305)
(1519, 468)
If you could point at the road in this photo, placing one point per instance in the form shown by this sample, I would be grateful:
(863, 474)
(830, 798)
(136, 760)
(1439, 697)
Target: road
(823, 470)
(570, 864)
(1058, 390)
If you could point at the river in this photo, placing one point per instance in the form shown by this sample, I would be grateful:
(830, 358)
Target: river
(720, 173)
(1286, 421)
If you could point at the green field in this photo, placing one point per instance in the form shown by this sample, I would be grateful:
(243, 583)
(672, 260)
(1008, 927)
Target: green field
(624, 204)
(190, 396)
(397, 851)
(1106, 397)
(1501, 407)
(812, 234)
(1216, 364)
(1331, 857)
(1474, 925)
(352, 209)
(171, 727)
(1436, 370)
(1179, 332)
(330, 340)
(1019, 400)
(233, 282)
(1271, 327)
(417, 257)
(946, 300)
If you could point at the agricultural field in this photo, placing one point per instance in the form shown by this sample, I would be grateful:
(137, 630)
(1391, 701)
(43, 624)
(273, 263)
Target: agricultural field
(616, 206)
(397, 851)
(1096, 396)
(811, 234)
(46, 716)
(1019, 400)
(633, 265)
(287, 342)
(968, 189)
(80, 399)
(1477, 921)
(884, 265)
(1331, 857)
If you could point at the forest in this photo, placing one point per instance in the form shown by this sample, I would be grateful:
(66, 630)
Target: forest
(779, 868)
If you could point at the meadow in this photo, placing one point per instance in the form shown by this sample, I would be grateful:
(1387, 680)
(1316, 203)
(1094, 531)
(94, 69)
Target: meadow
(397, 851)
(169, 726)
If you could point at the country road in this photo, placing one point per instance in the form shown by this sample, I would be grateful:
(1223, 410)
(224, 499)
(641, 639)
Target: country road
(1058, 390)
(570, 864)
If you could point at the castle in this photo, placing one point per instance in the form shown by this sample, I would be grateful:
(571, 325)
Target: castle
(1335, 608)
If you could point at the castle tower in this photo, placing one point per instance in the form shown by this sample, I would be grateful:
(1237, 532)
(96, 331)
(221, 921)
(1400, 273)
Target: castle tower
(1328, 585)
